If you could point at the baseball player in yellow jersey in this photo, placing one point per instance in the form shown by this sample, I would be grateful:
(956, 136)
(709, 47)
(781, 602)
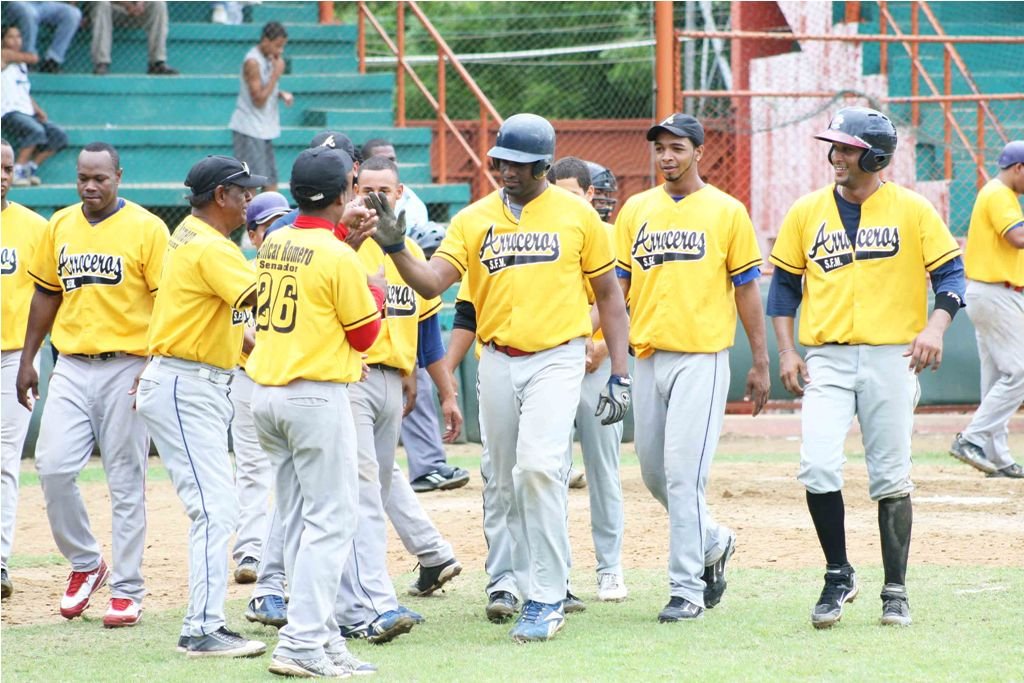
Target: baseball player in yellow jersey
(314, 318)
(20, 232)
(599, 443)
(96, 271)
(252, 469)
(367, 604)
(688, 261)
(995, 303)
(838, 247)
(194, 340)
(526, 250)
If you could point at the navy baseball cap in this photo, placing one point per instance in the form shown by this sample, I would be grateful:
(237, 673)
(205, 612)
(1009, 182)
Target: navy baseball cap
(319, 173)
(680, 125)
(216, 170)
(1012, 154)
(334, 140)
(265, 206)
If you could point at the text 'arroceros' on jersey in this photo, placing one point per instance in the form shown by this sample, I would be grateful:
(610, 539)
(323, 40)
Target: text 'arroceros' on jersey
(400, 302)
(509, 249)
(276, 306)
(78, 270)
(8, 261)
(651, 249)
(833, 250)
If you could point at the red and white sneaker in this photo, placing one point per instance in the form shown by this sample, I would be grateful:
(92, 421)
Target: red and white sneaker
(122, 612)
(81, 586)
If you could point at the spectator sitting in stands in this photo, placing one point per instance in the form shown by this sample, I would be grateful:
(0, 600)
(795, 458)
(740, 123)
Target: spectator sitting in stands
(23, 120)
(151, 16)
(65, 19)
(416, 215)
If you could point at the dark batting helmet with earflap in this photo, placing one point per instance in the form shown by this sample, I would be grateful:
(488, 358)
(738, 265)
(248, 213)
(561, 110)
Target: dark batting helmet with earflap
(525, 138)
(866, 129)
(602, 178)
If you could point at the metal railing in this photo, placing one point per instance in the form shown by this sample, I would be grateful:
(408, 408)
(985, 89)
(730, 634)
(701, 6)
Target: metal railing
(483, 180)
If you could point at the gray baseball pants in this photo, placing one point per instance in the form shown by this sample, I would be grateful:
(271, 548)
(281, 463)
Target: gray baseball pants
(188, 417)
(421, 432)
(88, 403)
(527, 406)
(253, 475)
(14, 423)
(366, 590)
(270, 577)
(998, 316)
(498, 564)
(307, 431)
(679, 403)
(418, 533)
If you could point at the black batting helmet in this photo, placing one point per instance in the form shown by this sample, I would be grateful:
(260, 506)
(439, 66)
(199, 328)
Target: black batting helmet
(866, 129)
(602, 178)
(525, 138)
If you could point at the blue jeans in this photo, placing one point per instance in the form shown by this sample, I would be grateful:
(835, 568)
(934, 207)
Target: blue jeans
(28, 131)
(64, 18)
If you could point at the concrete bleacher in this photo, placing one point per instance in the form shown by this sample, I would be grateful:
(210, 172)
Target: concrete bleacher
(161, 125)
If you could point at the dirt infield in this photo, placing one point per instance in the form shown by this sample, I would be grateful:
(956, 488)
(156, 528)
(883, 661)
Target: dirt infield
(961, 518)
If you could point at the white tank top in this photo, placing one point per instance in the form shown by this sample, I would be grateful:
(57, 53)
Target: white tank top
(15, 90)
(263, 122)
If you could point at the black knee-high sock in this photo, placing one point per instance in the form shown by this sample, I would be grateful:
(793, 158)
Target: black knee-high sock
(895, 518)
(829, 515)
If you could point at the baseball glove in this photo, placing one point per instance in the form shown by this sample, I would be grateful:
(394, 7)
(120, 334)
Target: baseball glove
(390, 234)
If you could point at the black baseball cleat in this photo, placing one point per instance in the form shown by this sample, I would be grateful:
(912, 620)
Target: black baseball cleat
(501, 606)
(895, 606)
(6, 587)
(433, 578)
(714, 574)
(840, 588)
(680, 609)
(1014, 471)
(444, 478)
(971, 453)
(572, 604)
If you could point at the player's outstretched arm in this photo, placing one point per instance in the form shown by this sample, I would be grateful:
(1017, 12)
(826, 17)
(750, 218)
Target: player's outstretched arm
(41, 314)
(748, 305)
(792, 368)
(611, 308)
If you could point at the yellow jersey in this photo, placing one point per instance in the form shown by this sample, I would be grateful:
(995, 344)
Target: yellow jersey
(20, 232)
(871, 292)
(310, 289)
(681, 257)
(526, 276)
(196, 315)
(108, 274)
(404, 309)
(989, 257)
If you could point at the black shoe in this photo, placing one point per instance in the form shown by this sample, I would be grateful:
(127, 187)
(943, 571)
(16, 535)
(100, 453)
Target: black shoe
(895, 606)
(6, 587)
(840, 588)
(1013, 471)
(183, 642)
(680, 609)
(714, 575)
(49, 66)
(501, 606)
(444, 478)
(432, 578)
(224, 643)
(161, 69)
(572, 604)
(970, 453)
(101, 69)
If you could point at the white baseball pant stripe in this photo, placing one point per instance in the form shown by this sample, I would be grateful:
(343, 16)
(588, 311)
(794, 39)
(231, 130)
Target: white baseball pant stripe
(998, 317)
(498, 564)
(14, 424)
(527, 406)
(188, 417)
(366, 590)
(600, 446)
(307, 431)
(88, 404)
(253, 474)
(679, 404)
(874, 383)
(413, 525)
(421, 431)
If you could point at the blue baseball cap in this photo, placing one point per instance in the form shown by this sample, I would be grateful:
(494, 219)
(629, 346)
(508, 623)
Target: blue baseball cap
(1012, 154)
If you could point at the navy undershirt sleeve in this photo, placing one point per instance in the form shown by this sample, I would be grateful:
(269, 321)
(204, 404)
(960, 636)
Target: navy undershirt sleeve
(784, 294)
(430, 348)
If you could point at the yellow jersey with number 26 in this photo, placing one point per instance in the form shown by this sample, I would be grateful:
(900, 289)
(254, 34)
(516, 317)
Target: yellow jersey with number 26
(108, 274)
(310, 289)
(871, 292)
(204, 282)
(20, 231)
(526, 276)
(989, 257)
(681, 257)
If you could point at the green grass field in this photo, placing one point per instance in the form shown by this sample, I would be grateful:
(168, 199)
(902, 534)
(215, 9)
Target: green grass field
(967, 626)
